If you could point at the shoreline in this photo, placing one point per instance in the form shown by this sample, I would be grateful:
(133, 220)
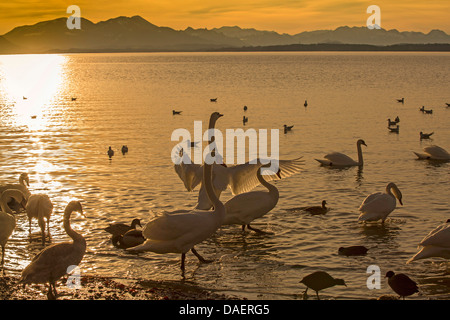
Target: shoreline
(106, 288)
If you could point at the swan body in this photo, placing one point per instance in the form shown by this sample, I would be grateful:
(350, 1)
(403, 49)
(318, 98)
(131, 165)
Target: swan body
(337, 159)
(49, 265)
(435, 244)
(180, 232)
(246, 207)
(7, 218)
(379, 205)
(433, 153)
(39, 206)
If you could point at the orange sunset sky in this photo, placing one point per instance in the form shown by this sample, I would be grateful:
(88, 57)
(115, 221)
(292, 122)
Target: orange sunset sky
(283, 16)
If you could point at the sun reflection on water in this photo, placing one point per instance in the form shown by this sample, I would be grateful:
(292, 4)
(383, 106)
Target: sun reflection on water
(30, 85)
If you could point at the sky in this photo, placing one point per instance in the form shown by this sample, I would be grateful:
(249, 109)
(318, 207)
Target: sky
(283, 16)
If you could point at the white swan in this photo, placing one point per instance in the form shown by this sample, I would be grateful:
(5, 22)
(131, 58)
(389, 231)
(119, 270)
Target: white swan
(180, 232)
(7, 218)
(380, 204)
(49, 265)
(246, 207)
(435, 244)
(40, 206)
(337, 159)
(433, 153)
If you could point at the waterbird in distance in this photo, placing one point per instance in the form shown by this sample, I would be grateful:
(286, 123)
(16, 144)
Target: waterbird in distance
(176, 112)
(433, 153)
(402, 100)
(318, 281)
(401, 284)
(435, 244)
(287, 128)
(245, 108)
(337, 159)
(306, 103)
(379, 205)
(124, 149)
(391, 123)
(7, 218)
(396, 129)
(425, 135)
(213, 100)
(180, 232)
(39, 206)
(316, 210)
(110, 152)
(56, 260)
(244, 208)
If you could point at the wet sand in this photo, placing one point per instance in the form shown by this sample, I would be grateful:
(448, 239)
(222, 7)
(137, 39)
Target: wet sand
(104, 288)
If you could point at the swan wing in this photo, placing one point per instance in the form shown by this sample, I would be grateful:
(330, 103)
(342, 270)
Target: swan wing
(339, 159)
(377, 206)
(440, 236)
(191, 174)
(437, 152)
(242, 178)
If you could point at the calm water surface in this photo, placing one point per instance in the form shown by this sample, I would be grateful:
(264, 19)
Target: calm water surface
(127, 99)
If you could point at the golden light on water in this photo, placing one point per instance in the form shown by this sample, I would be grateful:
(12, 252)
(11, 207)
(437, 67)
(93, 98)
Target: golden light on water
(30, 83)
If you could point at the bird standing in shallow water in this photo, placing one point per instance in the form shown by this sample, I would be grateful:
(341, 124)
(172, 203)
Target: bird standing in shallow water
(53, 262)
(401, 284)
(320, 280)
(40, 206)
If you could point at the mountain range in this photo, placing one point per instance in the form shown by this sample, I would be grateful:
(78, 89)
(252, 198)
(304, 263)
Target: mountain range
(137, 34)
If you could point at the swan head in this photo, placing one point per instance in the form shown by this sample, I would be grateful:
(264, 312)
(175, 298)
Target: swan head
(25, 179)
(215, 116)
(361, 141)
(75, 205)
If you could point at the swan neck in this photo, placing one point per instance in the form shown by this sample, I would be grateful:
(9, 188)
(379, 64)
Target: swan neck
(360, 156)
(271, 188)
(70, 232)
(207, 182)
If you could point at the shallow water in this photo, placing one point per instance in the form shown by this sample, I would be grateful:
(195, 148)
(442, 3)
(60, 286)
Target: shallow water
(127, 99)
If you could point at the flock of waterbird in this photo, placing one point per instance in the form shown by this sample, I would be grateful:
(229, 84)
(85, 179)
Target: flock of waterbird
(180, 231)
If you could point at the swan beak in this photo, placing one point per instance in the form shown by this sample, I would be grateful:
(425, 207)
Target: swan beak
(223, 165)
(279, 174)
(400, 200)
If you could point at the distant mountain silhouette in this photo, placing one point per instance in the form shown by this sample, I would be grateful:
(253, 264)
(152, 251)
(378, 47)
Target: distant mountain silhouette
(137, 34)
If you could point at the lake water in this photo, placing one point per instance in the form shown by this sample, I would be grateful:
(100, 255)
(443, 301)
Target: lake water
(127, 99)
